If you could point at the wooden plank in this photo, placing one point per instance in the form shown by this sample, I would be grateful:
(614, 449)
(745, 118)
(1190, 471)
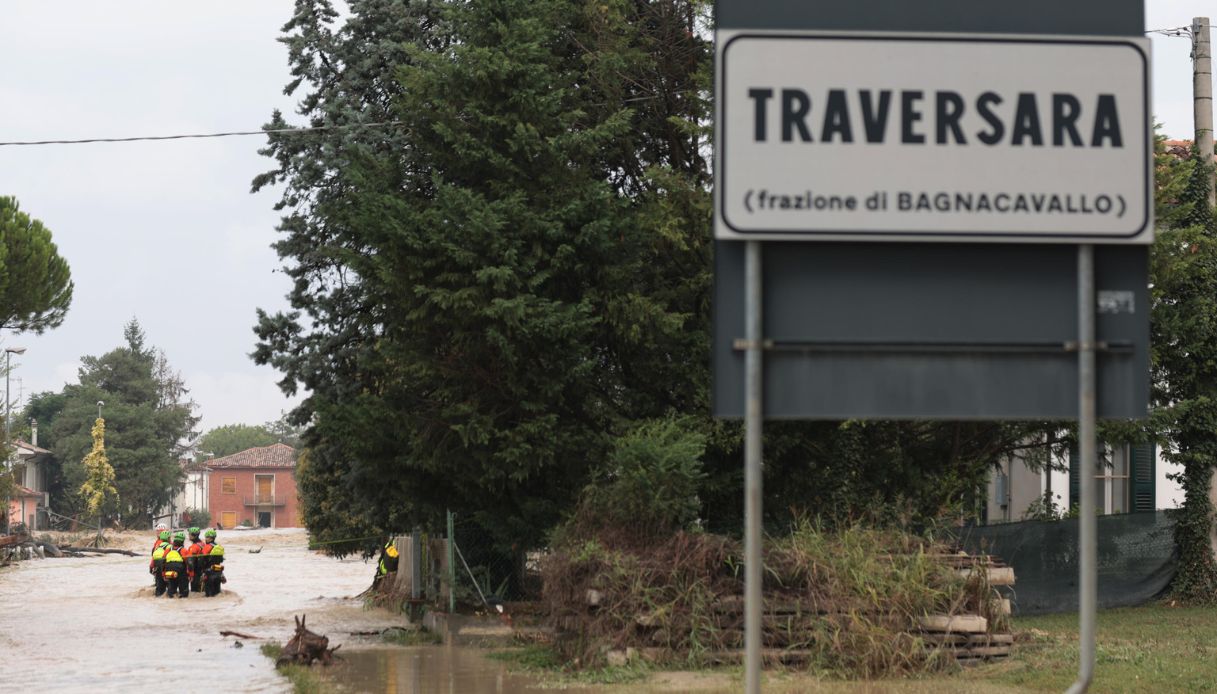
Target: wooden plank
(983, 651)
(989, 639)
(967, 623)
(997, 575)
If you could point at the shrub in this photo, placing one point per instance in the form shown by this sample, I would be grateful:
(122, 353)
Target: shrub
(198, 517)
(648, 486)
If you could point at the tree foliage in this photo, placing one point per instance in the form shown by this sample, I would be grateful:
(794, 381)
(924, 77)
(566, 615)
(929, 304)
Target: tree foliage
(97, 491)
(234, 438)
(149, 421)
(1184, 357)
(517, 271)
(491, 292)
(35, 282)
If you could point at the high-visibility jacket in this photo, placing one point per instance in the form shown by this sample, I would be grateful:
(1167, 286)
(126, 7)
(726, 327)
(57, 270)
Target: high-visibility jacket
(157, 560)
(175, 563)
(158, 548)
(215, 559)
(191, 555)
(204, 555)
(388, 559)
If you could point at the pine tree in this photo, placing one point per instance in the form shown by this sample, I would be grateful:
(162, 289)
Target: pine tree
(35, 282)
(150, 422)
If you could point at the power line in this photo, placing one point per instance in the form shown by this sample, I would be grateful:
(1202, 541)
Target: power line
(236, 133)
(1173, 31)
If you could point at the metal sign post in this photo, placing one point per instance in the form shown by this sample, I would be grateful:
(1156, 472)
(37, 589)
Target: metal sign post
(1087, 424)
(753, 419)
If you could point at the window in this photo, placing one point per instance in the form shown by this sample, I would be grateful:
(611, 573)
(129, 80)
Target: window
(228, 485)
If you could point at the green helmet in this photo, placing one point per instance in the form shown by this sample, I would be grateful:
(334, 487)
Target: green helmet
(164, 535)
(179, 536)
(211, 532)
(194, 531)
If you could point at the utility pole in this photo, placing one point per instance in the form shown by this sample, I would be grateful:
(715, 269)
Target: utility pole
(1202, 96)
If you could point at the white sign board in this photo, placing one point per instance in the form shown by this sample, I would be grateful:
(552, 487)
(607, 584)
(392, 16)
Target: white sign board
(933, 138)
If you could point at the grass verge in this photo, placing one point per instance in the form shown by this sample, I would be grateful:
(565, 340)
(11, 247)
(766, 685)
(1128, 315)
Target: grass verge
(543, 663)
(1154, 648)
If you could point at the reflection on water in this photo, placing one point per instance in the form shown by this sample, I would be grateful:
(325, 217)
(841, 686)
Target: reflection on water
(426, 670)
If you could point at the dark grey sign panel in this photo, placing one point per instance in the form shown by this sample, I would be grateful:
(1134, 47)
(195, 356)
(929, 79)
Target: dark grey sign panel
(926, 331)
(1078, 17)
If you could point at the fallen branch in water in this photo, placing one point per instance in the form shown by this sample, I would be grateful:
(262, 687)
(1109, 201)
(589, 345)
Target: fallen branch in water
(238, 635)
(98, 550)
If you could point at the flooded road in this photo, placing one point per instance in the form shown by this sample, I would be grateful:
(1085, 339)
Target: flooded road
(93, 625)
(426, 670)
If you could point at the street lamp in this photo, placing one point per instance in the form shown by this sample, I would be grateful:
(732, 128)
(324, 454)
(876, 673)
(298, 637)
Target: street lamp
(8, 403)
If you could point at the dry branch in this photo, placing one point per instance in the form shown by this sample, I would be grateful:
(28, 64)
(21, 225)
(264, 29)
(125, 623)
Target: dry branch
(305, 647)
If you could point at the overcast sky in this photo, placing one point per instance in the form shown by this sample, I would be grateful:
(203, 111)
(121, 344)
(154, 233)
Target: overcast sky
(167, 232)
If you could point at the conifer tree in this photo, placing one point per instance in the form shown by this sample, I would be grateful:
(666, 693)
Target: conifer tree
(35, 282)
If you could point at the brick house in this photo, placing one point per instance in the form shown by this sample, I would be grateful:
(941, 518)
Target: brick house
(256, 485)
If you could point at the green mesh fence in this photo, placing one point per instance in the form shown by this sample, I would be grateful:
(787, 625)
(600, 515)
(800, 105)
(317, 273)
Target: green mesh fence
(491, 571)
(1136, 559)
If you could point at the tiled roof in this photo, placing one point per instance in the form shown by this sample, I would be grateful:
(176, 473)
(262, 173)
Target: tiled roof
(29, 446)
(1179, 148)
(279, 455)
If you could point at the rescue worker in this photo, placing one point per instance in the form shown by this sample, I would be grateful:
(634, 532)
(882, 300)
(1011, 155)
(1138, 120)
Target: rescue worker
(388, 562)
(192, 554)
(176, 578)
(156, 540)
(213, 573)
(156, 565)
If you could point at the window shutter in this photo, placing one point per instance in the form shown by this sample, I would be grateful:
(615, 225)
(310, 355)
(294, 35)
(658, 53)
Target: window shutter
(1075, 498)
(1142, 473)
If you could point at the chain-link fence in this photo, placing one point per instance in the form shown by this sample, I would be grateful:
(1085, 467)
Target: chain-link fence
(489, 571)
(1136, 559)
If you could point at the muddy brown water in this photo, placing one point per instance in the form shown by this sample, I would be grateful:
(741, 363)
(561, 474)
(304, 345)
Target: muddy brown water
(69, 625)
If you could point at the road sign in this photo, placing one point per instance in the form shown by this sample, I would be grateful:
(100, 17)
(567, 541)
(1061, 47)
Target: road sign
(935, 137)
(931, 331)
(898, 329)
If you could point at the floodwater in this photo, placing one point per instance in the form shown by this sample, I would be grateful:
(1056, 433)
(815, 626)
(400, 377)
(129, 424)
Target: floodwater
(92, 624)
(425, 670)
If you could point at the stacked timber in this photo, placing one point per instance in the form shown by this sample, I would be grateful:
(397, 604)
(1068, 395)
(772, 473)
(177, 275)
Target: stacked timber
(787, 623)
(972, 638)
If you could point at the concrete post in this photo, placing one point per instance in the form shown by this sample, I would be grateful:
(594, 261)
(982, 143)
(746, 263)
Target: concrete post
(1202, 94)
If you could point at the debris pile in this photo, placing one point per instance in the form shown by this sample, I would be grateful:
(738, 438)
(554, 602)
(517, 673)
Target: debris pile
(859, 602)
(21, 546)
(305, 647)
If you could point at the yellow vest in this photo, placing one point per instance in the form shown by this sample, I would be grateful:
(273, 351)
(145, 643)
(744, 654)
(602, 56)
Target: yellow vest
(173, 555)
(217, 558)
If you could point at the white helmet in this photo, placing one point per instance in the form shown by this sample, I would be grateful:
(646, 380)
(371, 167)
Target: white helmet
(161, 527)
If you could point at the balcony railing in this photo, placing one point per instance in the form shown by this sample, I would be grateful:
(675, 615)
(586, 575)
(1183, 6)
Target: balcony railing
(265, 500)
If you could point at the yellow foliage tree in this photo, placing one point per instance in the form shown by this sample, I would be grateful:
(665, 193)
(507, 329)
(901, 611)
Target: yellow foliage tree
(98, 488)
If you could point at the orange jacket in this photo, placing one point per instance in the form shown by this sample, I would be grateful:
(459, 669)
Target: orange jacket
(188, 554)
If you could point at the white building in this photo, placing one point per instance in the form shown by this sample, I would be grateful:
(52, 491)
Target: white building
(1131, 482)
